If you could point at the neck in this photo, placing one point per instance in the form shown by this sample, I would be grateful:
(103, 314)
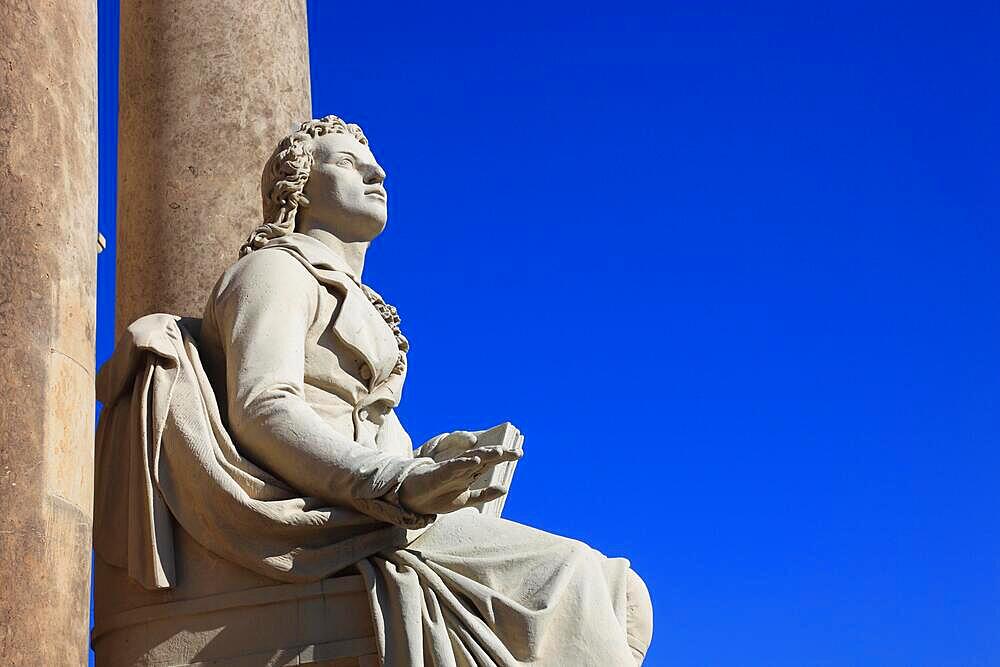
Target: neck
(352, 252)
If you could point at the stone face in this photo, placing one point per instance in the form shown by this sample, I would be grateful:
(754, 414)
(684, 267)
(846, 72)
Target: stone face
(48, 214)
(206, 87)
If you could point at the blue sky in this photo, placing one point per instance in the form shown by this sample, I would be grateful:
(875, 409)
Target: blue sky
(731, 267)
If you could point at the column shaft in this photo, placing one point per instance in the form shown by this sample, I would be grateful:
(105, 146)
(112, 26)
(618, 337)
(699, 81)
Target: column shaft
(207, 88)
(48, 245)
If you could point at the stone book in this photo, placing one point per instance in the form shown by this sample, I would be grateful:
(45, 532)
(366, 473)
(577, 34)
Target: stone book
(505, 436)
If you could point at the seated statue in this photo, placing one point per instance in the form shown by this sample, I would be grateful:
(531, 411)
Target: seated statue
(267, 433)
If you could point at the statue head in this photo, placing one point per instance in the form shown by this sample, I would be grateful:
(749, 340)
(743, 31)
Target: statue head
(327, 169)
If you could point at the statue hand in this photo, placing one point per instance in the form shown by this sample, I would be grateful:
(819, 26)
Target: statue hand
(448, 445)
(443, 487)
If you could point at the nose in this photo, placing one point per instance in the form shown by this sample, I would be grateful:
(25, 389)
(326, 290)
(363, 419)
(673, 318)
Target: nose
(375, 175)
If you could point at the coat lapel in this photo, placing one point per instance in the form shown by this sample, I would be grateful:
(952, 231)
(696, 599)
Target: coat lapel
(357, 324)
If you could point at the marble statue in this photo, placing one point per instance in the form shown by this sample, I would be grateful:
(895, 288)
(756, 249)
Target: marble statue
(267, 432)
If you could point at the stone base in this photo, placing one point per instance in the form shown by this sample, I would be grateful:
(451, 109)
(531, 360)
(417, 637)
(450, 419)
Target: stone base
(326, 623)
(221, 615)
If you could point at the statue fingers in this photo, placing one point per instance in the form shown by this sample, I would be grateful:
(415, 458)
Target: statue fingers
(431, 447)
(513, 454)
(486, 453)
(452, 444)
(466, 439)
(462, 469)
(494, 455)
(485, 495)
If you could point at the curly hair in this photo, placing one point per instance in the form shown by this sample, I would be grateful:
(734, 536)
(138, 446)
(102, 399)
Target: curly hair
(283, 182)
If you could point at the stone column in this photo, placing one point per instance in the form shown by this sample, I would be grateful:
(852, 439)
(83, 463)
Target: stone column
(207, 88)
(48, 247)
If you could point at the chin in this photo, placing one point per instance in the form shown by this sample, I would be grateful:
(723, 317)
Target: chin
(372, 225)
(379, 228)
(361, 222)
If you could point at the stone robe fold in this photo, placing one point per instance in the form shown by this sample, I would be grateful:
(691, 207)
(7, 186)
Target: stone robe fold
(163, 454)
(270, 436)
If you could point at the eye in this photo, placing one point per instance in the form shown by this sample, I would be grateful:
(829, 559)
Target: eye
(345, 162)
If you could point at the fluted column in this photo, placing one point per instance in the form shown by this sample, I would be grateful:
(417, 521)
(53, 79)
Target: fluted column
(207, 88)
(48, 246)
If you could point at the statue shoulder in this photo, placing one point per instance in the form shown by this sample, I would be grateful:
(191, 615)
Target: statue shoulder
(264, 280)
(271, 271)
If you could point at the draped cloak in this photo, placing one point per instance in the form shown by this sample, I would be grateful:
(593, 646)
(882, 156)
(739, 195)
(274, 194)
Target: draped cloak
(268, 432)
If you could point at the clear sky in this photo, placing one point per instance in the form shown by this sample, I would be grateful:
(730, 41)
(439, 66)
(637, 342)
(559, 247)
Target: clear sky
(731, 267)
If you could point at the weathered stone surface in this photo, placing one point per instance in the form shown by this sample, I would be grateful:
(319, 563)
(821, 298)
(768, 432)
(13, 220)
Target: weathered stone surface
(48, 218)
(206, 88)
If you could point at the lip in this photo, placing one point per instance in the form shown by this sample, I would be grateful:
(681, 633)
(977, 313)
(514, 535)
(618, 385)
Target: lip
(378, 194)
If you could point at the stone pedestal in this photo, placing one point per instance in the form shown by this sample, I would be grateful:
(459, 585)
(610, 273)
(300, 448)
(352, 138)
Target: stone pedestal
(48, 247)
(224, 616)
(205, 85)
